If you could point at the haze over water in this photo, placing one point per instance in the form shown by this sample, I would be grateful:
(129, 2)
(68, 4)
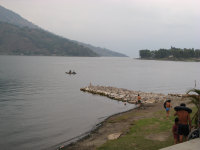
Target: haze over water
(41, 107)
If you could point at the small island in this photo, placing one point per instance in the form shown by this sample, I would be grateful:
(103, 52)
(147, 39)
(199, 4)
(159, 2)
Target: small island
(173, 54)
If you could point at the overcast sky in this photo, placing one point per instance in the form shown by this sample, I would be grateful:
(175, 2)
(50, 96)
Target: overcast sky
(124, 26)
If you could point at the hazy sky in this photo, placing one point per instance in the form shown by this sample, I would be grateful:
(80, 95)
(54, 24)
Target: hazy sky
(121, 25)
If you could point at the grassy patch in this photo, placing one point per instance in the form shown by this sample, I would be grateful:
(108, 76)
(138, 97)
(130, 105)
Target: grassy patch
(146, 134)
(137, 136)
(125, 117)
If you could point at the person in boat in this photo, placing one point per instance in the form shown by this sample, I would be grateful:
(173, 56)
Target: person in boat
(184, 124)
(70, 71)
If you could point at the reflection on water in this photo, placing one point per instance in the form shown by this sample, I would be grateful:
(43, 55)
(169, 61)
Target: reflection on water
(41, 106)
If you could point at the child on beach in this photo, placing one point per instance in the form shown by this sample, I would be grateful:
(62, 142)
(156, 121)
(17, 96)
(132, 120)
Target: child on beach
(175, 130)
(167, 107)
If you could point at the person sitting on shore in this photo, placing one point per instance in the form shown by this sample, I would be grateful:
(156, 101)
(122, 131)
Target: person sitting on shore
(184, 119)
(175, 131)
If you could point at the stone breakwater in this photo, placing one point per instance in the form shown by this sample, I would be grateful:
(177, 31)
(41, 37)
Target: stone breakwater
(124, 94)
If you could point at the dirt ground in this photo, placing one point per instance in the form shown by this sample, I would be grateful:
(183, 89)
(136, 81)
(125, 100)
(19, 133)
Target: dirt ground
(120, 123)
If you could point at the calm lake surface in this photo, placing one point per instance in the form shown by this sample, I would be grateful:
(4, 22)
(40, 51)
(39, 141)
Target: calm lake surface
(42, 108)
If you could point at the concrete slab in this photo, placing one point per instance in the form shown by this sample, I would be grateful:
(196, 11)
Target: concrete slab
(189, 145)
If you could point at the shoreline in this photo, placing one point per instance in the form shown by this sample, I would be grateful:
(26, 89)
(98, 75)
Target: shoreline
(175, 60)
(88, 142)
(119, 123)
(87, 134)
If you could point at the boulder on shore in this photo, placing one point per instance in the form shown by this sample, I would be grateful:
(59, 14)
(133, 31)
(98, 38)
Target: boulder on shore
(114, 136)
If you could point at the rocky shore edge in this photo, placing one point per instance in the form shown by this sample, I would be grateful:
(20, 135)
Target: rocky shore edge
(125, 95)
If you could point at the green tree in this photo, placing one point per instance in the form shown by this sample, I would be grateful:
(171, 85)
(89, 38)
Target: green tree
(173, 51)
(145, 53)
(162, 53)
(197, 53)
(195, 99)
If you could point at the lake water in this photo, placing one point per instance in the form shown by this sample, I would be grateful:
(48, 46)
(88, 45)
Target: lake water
(41, 107)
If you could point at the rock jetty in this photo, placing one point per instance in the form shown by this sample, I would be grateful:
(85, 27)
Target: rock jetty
(124, 95)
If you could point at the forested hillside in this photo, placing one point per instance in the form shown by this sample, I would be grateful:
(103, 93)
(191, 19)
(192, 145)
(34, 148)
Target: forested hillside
(103, 51)
(15, 40)
(19, 36)
(171, 54)
(10, 17)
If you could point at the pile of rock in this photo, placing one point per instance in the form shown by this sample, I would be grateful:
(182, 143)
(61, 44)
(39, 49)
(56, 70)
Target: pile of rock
(176, 95)
(124, 94)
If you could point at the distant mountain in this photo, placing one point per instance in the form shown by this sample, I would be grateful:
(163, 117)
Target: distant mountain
(21, 37)
(13, 18)
(103, 51)
(18, 36)
(15, 40)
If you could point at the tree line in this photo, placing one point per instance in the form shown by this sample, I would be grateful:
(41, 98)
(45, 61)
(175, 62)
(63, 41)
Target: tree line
(171, 53)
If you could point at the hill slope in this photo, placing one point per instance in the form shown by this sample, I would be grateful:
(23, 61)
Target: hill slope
(103, 51)
(13, 18)
(21, 37)
(15, 40)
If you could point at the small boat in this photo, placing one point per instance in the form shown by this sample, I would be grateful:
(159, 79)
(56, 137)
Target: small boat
(70, 72)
